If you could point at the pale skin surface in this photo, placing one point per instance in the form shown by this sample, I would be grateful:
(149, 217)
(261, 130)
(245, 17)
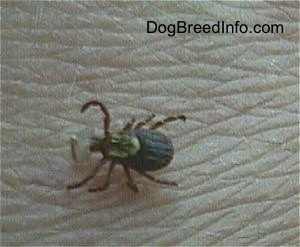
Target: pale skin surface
(236, 156)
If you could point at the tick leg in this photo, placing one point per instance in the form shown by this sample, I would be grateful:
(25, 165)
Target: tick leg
(142, 123)
(157, 180)
(73, 143)
(85, 180)
(168, 119)
(103, 109)
(129, 125)
(106, 182)
(130, 182)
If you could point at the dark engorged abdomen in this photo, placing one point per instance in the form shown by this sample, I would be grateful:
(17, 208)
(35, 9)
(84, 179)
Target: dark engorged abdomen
(156, 151)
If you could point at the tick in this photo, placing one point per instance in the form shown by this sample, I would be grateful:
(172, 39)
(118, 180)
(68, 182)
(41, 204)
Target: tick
(133, 147)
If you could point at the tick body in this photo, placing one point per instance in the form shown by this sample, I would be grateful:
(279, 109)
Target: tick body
(156, 151)
(133, 147)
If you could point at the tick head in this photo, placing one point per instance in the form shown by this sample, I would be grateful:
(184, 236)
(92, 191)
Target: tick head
(99, 144)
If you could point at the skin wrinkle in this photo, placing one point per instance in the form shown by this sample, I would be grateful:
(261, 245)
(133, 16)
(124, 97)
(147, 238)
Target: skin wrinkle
(236, 157)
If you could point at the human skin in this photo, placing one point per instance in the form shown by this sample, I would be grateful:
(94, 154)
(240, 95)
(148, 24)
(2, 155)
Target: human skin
(236, 156)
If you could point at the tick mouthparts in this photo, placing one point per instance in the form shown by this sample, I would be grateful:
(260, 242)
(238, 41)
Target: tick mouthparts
(182, 117)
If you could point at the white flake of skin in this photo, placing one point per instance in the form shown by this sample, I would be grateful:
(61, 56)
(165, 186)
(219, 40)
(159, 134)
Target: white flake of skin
(80, 146)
